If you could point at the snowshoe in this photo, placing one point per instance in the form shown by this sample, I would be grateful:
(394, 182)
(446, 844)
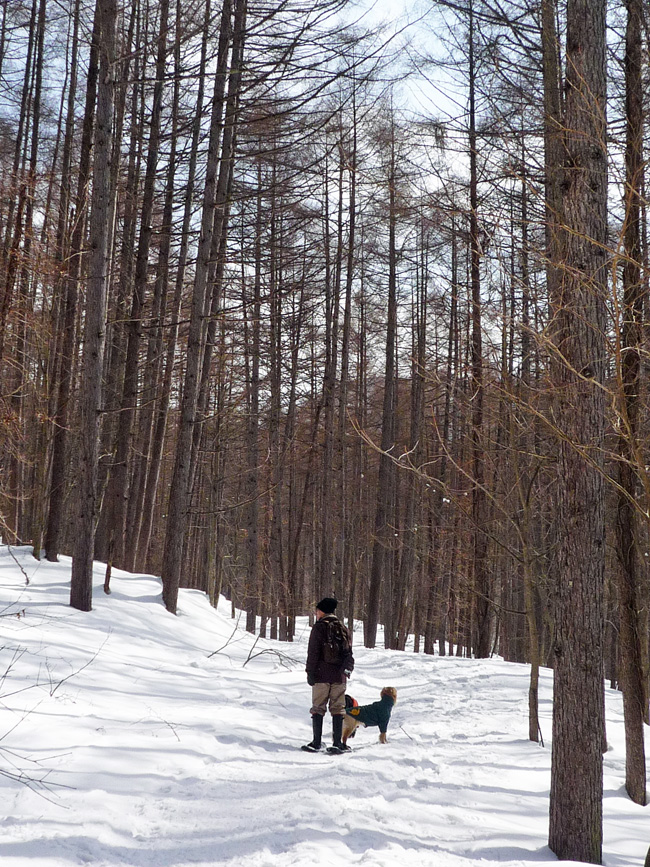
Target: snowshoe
(317, 727)
(337, 732)
(339, 749)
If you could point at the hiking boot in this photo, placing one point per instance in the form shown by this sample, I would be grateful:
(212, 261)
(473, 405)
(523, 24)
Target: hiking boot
(338, 747)
(317, 727)
(337, 734)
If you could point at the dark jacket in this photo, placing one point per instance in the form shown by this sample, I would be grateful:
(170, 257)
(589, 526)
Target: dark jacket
(317, 669)
(375, 714)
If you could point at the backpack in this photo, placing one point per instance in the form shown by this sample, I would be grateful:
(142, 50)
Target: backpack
(336, 646)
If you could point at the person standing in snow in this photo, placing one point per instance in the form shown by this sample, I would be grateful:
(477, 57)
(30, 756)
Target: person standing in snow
(329, 664)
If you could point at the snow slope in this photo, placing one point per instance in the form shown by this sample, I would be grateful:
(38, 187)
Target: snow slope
(151, 740)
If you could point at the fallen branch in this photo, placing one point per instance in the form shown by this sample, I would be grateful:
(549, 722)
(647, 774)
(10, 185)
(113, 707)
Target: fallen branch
(223, 647)
(13, 556)
(288, 661)
(34, 775)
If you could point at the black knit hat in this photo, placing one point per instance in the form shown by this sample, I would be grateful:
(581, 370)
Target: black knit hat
(327, 605)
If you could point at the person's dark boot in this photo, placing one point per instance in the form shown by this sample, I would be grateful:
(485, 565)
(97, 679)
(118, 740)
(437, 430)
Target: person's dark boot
(317, 727)
(337, 733)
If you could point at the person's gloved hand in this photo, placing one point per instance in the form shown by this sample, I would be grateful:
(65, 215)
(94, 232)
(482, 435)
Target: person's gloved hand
(311, 680)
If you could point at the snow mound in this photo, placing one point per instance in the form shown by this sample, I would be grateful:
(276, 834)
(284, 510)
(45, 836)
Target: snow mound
(129, 736)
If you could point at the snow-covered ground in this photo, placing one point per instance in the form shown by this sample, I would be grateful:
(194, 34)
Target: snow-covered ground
(151, 740)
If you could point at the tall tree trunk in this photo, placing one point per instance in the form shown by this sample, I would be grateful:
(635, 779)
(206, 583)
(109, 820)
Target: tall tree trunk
(217, 267)
(631, 666)
(13, 225)
(70, 301)
(553, 147)
(18, 372)
(405, 596)
(3, 34)
(94, 332)
(116, 495)
(437, 616)
(332, 309)
(526, 475)
(58, 368)
(116, 334)
(252, 351)
(154, 376)
(180, 489)
(275, 451)
(575, 831)
(160, 424)
(383, 542)
(346, 579)
(9, 263)
(481, 583)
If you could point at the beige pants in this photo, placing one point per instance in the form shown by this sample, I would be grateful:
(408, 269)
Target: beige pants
(322, 693)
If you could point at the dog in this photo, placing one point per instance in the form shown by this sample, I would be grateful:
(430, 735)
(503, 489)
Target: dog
(375, 714)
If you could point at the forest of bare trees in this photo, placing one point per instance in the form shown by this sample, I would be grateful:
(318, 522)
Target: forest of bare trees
(294, 304)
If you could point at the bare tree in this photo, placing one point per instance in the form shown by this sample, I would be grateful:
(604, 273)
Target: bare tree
(94, 330)
(384, 513)
(631, 666)
(575, 831)
(69, 306)
(180, 490)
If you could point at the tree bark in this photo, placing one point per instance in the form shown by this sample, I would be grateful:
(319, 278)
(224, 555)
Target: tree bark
(70, 302)
(160, 423)
(117, 492)
(631, 667)
(94, 332)
(481, 583)
(180, 488)
(382, 544)
(575, 831)
(252, 332)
